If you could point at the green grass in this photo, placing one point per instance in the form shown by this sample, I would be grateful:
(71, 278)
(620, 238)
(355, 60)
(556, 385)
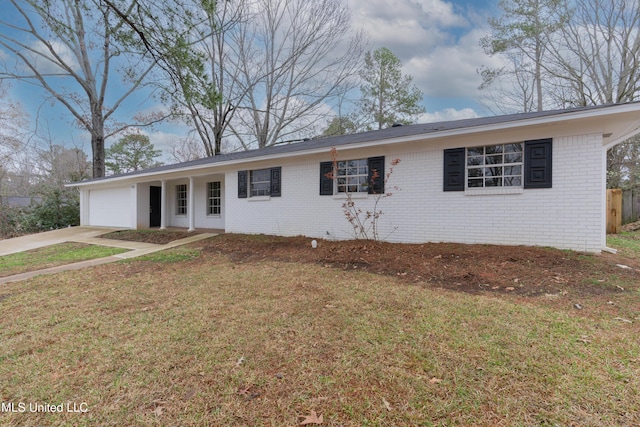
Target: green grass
(51, 256)
(627, 243)
(176, 255)
(206, 341)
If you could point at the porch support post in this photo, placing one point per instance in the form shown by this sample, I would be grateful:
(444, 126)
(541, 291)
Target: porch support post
(191, 208)
(163, 206)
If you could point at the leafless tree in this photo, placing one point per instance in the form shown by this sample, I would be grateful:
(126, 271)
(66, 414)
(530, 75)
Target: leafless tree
(592, 58)
(187, 149)
(292, 57)
(211, 106)
(522, 34)
(597, 54)
(70, 48)
(14, 136)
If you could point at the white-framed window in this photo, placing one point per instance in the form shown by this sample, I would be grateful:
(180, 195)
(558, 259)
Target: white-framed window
(214, 198)
(260, 182)
(352, 176)
(495, 166)
(181, 199)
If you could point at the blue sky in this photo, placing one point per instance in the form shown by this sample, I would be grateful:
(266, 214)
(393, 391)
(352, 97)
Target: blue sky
(437, 42)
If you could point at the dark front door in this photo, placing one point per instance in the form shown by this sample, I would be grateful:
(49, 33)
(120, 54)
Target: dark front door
(155, 198)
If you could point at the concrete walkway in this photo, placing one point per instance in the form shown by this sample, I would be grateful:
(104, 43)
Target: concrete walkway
(83, 235)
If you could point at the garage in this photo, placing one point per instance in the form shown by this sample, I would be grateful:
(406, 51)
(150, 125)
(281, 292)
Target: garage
(111, 207)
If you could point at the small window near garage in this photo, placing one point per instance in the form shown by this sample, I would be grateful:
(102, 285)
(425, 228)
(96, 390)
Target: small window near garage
(495, 166)
(260, 182)
(181, 199)
(214, 198)
(352, 176)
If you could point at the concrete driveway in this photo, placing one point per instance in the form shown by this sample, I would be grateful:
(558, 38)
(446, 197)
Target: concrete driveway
(48, 238)
(83, 235)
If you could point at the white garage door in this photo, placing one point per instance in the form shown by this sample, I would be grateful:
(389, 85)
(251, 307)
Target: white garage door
(110, 207)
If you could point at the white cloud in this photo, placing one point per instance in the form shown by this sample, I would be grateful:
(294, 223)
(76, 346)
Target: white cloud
(437, 41)
(406, 27)
(448, 114)
(451, 70)
(46, 63)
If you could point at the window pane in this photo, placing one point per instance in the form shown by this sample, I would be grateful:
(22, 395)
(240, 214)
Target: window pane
(475, 151)
(352, 176)
(513, 170)
(214, 200)
(493, 160)
(260, 182)
(513, 158)
(475, 161)
(476, 172)
(512, 181)
(513, 148)
(181, 199)
(493, 171)
(493, 182)
(505, 160)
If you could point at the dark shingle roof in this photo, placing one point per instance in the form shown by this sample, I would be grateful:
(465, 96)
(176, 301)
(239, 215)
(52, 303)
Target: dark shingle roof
(378, 135)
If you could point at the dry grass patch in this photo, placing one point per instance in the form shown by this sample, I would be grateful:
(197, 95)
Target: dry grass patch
(190, 337)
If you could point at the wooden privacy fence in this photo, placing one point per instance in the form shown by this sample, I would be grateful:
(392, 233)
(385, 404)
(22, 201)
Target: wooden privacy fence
(614, 211)
(630, 206)
(623, 207)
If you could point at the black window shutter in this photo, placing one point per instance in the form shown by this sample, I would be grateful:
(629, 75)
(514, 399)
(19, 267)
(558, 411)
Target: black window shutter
(376, 184)
(275, 182)
(537, 163)
(326, 183)
(454, 169)
(242, 184)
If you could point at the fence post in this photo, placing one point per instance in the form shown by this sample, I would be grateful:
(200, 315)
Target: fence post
(614, 211)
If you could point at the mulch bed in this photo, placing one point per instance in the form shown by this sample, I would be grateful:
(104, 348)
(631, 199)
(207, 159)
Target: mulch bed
(521, 270)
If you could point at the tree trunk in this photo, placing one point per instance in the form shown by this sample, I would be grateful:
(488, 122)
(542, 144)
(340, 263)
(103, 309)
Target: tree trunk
(97, 145)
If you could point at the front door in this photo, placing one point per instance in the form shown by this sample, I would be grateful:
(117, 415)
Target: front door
(155, 199)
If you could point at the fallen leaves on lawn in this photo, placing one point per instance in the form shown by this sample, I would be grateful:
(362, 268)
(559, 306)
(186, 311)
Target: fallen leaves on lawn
(190, 394)
(247, 392)
(158, 408)
(386, 404)
(313, 418)
(435, 380)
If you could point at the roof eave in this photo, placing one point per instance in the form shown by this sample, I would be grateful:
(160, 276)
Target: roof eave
(439, 134)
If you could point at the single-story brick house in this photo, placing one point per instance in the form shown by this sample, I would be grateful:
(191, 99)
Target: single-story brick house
(523, 179)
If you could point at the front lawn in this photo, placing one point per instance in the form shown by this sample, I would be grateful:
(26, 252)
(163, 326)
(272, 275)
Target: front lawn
(243, 331)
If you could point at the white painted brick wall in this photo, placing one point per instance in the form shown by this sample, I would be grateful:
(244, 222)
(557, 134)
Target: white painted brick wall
(569, 215)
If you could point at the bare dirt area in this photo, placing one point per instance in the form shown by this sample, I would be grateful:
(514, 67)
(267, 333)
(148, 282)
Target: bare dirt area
(523, 271)
(160, 237)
